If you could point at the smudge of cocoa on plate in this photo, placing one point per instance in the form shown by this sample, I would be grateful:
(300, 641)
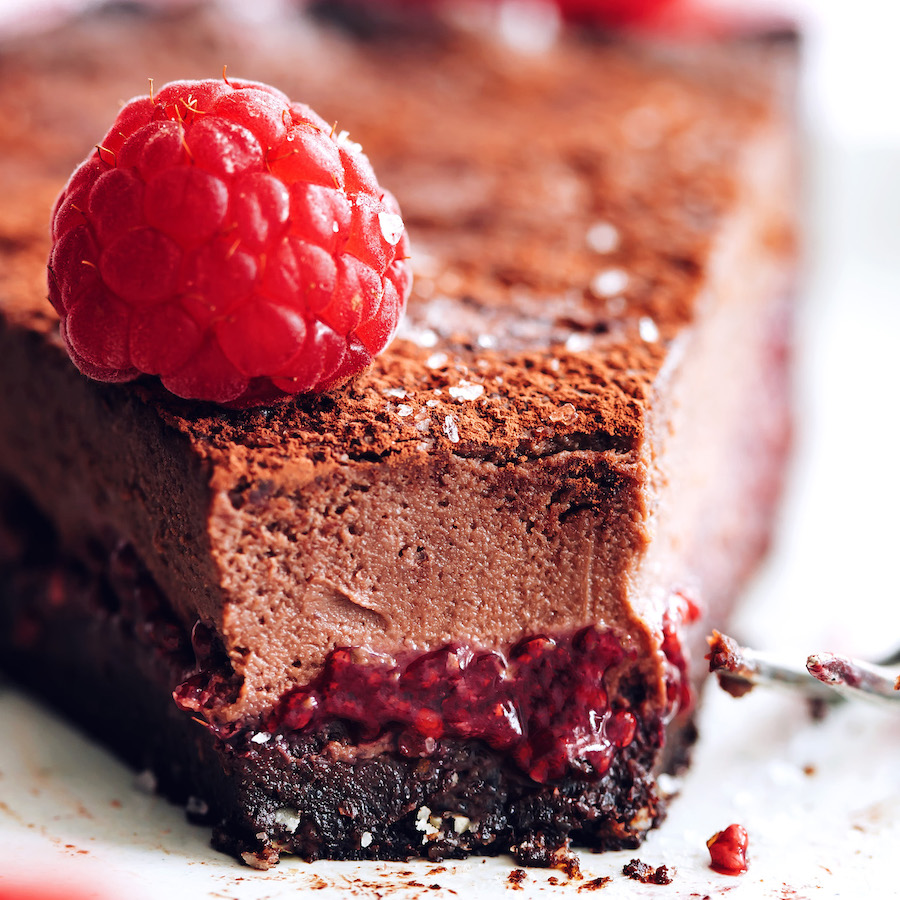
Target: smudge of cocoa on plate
(638, 870)
(595, 884)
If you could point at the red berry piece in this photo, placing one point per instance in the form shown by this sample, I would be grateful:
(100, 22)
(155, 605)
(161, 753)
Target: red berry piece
(297, 710)
(229, 242)
(728, 850)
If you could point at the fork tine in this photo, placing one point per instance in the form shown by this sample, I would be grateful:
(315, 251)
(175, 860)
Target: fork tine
(853, 676)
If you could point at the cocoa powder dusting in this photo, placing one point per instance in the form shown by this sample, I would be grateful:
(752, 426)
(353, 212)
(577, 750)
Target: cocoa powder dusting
(595, 884)
(557, 361)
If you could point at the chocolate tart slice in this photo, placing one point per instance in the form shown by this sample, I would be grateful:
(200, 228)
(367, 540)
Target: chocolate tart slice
(452, 607)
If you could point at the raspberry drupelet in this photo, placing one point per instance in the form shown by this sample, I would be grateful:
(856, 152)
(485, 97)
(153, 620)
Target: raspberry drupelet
(230, 242)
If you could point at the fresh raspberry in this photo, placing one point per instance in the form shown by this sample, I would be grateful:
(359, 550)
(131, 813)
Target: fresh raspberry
(230, 242)
(612, 13)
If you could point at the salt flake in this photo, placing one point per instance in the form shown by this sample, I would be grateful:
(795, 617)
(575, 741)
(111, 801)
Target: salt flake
(289, 818)
(426, 338)
(451, 430)
(466, 390)
(578, 343)
(602, 237)
(609, 282)
(567, 414)
(648, 330)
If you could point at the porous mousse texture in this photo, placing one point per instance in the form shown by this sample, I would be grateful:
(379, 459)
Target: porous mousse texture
(454, 606)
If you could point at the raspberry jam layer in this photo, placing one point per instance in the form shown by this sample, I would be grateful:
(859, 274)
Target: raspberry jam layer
(545, 703)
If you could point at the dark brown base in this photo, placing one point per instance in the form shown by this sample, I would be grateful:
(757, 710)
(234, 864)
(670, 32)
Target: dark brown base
(110, 664)
(463, 799)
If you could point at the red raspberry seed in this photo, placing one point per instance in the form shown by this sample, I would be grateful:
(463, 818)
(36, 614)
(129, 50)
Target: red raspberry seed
(230, 243)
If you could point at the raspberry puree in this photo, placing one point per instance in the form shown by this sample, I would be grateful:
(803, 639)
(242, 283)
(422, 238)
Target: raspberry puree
(545, 702)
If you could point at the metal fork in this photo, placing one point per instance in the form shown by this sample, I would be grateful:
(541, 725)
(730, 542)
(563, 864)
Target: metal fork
(827, 677)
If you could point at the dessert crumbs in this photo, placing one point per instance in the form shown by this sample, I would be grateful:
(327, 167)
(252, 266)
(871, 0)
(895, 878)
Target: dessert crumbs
(638, 870)
(595, 884)
(571, 865)
(515, 878)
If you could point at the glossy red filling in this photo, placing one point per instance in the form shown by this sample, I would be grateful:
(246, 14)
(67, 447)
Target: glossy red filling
(546, 704)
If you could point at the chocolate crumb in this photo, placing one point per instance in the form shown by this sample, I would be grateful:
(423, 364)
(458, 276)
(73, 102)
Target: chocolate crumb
(726, 661)
(640, 871)
(595, 884)
(515, 878)
(570, 865)
(736, 687)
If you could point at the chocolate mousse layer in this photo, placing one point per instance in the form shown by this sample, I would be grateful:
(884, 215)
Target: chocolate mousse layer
(580, 429)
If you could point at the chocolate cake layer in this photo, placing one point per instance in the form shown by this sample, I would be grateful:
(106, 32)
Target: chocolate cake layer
(582, 423)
